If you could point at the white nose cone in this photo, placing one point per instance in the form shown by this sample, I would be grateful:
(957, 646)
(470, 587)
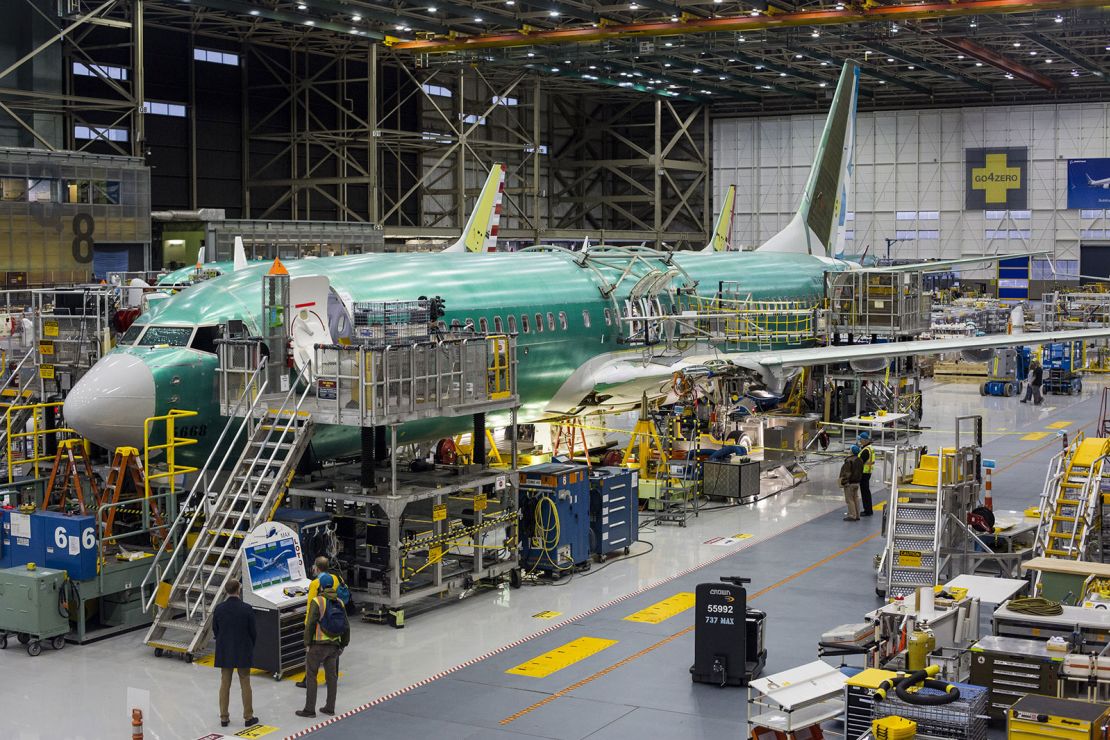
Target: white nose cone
(109, 405)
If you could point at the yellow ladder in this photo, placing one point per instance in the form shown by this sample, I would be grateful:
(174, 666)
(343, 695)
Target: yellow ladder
(1068, 526)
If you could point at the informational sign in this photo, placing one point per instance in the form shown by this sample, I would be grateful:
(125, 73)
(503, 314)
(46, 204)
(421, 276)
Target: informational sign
(439, 512)
(50, 328)
(996, 178)
(480, 502)
(547, 615)
(1089, 183)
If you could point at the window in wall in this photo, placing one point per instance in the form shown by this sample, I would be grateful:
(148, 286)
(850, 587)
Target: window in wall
(474, 118)
(928, 234)
(499, 100)
(216, 57)
(512, 324)
(524, 322)
(105, 192)
(99, 70)
(586, 318)
(905, 215)
(1092, 233)
(1042, 269)
(1021, 233)
(87, 133)
(550, 321)
(905, 234)
(174, 110)
(1021, 215)
(563, 320)
(75, 191)
(13, 189)
(928, 216)
(529, 149)
(850, 216)
(1091, 214)
(438, 90)
(497, 327)
(994, 215)
(849, 234)
(42, 190)
(539, 322)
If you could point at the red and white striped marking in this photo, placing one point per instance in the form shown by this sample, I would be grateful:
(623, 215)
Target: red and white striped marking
(545, 631)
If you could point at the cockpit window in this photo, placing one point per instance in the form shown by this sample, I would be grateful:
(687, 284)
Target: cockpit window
(205, 339)
(174, 336)
(132, 334)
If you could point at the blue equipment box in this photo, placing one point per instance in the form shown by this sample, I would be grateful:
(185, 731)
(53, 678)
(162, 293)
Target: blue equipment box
(614, 509)
(68, 542)
(20, 542)
(314, 528)
(555, 526)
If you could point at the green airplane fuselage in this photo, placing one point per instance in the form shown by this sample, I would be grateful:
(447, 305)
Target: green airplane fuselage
(550, 284)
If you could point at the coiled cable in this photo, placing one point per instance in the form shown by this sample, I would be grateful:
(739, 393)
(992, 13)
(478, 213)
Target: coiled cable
(1035, 605)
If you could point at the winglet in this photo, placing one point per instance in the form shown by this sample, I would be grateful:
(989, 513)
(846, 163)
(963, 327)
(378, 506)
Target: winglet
(820, 221)
(480, 234)
(239, 257)
(721, 238)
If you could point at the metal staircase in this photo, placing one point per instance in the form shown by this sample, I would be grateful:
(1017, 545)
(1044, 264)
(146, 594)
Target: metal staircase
(1071, 500)
(927, 535)
(16, 397)
(275, 440)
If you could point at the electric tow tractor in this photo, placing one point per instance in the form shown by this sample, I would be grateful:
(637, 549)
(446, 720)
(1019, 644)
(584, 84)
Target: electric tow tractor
(728, 636)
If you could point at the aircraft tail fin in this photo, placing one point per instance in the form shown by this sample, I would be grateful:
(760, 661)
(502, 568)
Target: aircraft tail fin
(818, 226)
(480, 234)
(1090, 180)
(721, 238)
(239, 257)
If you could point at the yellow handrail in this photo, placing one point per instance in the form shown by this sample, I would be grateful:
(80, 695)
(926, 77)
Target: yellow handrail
(499, 379)
(36, 434)
(170, 446)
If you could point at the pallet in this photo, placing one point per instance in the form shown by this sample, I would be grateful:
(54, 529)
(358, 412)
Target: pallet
(975, 371)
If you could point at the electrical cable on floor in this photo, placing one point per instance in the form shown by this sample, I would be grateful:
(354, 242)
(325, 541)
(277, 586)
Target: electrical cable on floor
(1036, 605)
(591, 571)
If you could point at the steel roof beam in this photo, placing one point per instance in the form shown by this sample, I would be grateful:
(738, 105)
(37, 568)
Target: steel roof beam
(713, 68)
(850, 15)
(839, 61)
(1080, 60)
(993, 58)
(929, 66)
(713, 87)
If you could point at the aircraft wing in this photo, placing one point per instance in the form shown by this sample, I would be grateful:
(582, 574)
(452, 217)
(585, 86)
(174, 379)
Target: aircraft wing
(620, 380)
(945, 265)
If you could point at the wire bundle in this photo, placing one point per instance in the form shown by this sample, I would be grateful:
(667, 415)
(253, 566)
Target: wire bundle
(1036, 606)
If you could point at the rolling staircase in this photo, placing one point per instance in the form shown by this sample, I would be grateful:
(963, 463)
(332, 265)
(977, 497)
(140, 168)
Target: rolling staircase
(276, 438)
(927, 518)
(16, 396)
(1071, 500)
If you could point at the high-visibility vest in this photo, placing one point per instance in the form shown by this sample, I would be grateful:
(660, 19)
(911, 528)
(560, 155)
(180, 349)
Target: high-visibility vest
(868, 457)
(321, 636)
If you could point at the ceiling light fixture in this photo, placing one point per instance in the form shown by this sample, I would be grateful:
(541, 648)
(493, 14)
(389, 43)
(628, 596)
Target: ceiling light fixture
(255, 12)
(531, 54)
(633, 6)
(1048, 61)
(432, 9)
(890, 59)
(310, 23)
(978, 64)
(696, 70)
(674, 19)
(911, 67)
(754, 13)
(1017, 44)
(782, 74)
(302, 6)
(840, 6)
(820, 84)
(959, 56)
(973, 24)
(797, 56)
(356, 17)
(553, 13)
(816, 34)
(1059, 19)
(1032, 53)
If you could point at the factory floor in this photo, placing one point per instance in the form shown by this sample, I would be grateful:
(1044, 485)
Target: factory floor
(811, 571)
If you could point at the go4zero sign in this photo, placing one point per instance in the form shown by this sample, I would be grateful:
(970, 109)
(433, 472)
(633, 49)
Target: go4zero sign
(996, 178)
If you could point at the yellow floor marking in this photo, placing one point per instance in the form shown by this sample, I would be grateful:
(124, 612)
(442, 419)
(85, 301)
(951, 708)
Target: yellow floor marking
(663, 610)
(671, 638)
(1060, 425)
(879, 506)
(1034, 436)
(547, 615)
(742, 536)
(256, 731)
(556, 660)
(210, 661)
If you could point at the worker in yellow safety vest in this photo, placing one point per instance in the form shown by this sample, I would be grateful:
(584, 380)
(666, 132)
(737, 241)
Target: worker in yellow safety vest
(319, 567)
(867, 457)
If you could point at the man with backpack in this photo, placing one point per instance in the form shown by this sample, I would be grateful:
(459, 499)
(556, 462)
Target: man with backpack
(320, 566)
(326, 633)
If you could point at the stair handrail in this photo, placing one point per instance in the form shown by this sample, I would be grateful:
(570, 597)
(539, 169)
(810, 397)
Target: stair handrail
(1053, 474)
(283, 410)
(892, 520)
(191, 498)
(1089, 502)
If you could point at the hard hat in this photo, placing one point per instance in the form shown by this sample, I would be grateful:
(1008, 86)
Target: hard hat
(855, 449)
(865, 435)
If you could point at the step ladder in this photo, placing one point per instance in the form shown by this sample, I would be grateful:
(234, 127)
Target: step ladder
(926, 531)
(127, 467)
(1071, 500)
(276, 440)
(72, 479)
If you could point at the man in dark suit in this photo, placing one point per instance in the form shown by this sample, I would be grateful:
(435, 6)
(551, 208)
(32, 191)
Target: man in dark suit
(235, 631)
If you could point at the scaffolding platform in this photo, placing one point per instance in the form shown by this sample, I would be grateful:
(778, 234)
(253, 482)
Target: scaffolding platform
(884, 304)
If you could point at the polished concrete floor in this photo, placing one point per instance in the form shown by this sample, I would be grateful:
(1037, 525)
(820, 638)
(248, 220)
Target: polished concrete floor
(811, 571)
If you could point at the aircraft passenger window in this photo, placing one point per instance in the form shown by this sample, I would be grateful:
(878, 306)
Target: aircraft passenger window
(497, 327)
(539, 322)
(483, 325)
(512, 324)
(132, 334)
(586, 318)
(205, 339)
(455, 325)
(469, 325)
(442, 326)
(551, 321)
(174, 336)
(563, 320)
(524, 322)
(608, 318)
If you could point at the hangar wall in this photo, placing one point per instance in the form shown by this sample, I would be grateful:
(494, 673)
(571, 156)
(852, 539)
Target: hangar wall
(909, 179)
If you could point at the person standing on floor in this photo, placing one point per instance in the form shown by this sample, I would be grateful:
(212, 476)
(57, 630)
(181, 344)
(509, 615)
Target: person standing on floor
(235, 631)
(867, 460)
(326, 633)
(1036, 379)
(850, 472)
(321, 566)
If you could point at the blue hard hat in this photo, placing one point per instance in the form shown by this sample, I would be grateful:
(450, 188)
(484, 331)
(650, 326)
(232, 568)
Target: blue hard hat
(865, 435)
(326, 581)
(855, 449)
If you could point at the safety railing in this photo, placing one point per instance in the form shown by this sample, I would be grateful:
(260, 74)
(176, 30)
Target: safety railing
(173, 470)
(764, 323)
(241, 420)
(28, 447)
(148, 532)
(240, 361)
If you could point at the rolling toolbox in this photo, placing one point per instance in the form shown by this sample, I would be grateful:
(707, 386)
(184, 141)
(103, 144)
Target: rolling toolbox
(1045, 717)
(614, 510)
(1010, 668)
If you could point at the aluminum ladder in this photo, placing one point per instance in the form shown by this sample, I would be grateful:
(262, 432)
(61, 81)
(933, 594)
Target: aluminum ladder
(277, 439)
(1071, 499)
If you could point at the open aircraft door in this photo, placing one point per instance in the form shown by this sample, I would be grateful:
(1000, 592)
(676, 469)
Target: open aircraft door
(319, 316)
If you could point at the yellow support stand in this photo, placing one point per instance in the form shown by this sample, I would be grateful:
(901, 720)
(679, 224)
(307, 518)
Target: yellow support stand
(645, 440)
